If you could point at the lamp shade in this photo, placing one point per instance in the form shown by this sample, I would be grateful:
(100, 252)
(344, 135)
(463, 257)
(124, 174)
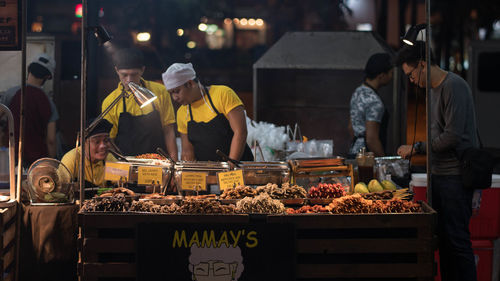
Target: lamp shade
(412, 33)
(142, 95)
(101, 34)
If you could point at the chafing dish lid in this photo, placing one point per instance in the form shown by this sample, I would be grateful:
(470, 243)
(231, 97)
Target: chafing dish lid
(270, 166)
(201, 165)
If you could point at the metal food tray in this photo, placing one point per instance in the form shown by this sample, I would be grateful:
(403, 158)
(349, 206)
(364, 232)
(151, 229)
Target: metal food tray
(320, 201)
(163, 201)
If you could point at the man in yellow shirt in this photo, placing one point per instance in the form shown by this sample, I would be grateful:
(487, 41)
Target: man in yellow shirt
(97, 154)
(139, 130)
(210, 118)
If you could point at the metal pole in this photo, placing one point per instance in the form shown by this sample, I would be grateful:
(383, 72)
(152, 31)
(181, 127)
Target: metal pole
(21, 137)
(428, 98)
(83, 79)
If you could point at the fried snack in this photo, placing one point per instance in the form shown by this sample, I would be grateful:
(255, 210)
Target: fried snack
(117, 203)
(357, 204)
(150, 156)
(150, 207)
(204, 206)
(118, 190)
(308, 210)
(326, 190)
(238, 192)
(284, 192)
(382, 195)
(262, 203)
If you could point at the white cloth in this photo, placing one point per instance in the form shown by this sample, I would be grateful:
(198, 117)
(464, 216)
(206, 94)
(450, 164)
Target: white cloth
(177, 74)
(46, 61)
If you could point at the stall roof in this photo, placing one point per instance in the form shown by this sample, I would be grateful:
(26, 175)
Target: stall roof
(322, 50)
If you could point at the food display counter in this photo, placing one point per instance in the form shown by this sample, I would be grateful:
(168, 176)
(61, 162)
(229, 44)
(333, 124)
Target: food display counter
(319, 232)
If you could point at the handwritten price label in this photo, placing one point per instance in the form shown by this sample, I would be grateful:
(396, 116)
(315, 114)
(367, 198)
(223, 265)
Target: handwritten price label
(194, 181)
(116, 171)
(230, 179)
(149, 175)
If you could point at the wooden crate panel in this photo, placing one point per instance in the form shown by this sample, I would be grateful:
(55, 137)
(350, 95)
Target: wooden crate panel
(306, 271)
(96, 270)
(8, 214)
(94, 247)
(9, 235)
(310, 246)
(130, 220)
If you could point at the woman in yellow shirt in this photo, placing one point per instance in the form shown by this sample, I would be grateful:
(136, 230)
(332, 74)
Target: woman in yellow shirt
(210, 118)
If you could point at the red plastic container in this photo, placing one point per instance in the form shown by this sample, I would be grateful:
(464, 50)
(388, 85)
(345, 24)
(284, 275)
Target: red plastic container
(485, 222)
(483, 254)
(418, 185)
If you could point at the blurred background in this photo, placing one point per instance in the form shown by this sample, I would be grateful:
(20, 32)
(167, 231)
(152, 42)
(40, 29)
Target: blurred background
(224, 38)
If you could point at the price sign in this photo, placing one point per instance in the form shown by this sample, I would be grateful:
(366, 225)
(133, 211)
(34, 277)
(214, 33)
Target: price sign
(149, 175)
(194, 181)
(116, 171)
(230, 179)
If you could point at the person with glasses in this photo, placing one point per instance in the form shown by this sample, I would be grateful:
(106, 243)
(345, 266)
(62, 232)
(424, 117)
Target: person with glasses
(368, 115)
(210, 118)
(97, 146)
(453, 130)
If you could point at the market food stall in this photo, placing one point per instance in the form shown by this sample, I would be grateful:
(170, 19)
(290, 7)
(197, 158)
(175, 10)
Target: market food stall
(278, 230)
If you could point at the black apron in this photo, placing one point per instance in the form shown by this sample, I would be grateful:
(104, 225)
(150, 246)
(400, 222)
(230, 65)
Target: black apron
(206, 138)
(139, 134)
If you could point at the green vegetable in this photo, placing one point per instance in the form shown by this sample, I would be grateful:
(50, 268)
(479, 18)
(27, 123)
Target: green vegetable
(103, 190)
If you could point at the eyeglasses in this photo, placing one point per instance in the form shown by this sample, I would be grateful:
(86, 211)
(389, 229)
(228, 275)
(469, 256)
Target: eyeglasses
(410, 74)
(218, 268)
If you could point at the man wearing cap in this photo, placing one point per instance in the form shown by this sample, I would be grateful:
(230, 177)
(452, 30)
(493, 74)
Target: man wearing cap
(39, 112)
(139, 130)
(368, 122)
(96, 156)
(210, 118)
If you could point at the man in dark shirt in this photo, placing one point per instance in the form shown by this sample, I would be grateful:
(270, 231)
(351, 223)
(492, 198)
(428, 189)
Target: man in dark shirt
(37, 110)
(453, 129)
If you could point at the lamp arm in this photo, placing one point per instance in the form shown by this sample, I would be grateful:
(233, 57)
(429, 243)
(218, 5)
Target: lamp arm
(101, 116)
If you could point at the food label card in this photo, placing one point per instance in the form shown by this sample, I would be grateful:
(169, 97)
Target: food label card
(149, 175)
(230, 179)
(194, 181)
(116, 171)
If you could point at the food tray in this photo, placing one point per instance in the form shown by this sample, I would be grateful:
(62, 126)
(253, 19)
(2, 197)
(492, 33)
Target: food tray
(127, 197)
(229, 201)
(293, 201)
(163, 201)
(320, 201)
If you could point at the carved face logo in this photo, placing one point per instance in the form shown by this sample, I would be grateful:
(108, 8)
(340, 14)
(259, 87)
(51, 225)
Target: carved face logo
(215, 264)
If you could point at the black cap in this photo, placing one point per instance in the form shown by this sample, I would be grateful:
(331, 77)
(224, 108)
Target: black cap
(128, 58)
(378, 63)
(101, 128)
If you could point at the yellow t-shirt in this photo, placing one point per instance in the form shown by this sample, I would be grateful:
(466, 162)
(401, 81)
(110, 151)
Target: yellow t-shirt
(224, 99)
(94, 175)
(163, 104)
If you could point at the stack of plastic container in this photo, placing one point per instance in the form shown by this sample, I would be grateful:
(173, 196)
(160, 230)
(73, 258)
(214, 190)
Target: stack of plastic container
(484, 225)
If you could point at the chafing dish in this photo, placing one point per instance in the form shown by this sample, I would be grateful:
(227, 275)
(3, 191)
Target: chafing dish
(261, 173)
(166, 165)
(209, 167)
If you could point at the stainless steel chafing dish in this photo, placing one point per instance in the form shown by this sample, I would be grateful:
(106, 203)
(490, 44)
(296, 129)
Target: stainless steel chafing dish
(166, 165)
(261, 173)
(209, 167)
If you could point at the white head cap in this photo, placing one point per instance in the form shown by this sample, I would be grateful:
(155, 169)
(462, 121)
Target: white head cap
(178, 74)
(46, 61)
